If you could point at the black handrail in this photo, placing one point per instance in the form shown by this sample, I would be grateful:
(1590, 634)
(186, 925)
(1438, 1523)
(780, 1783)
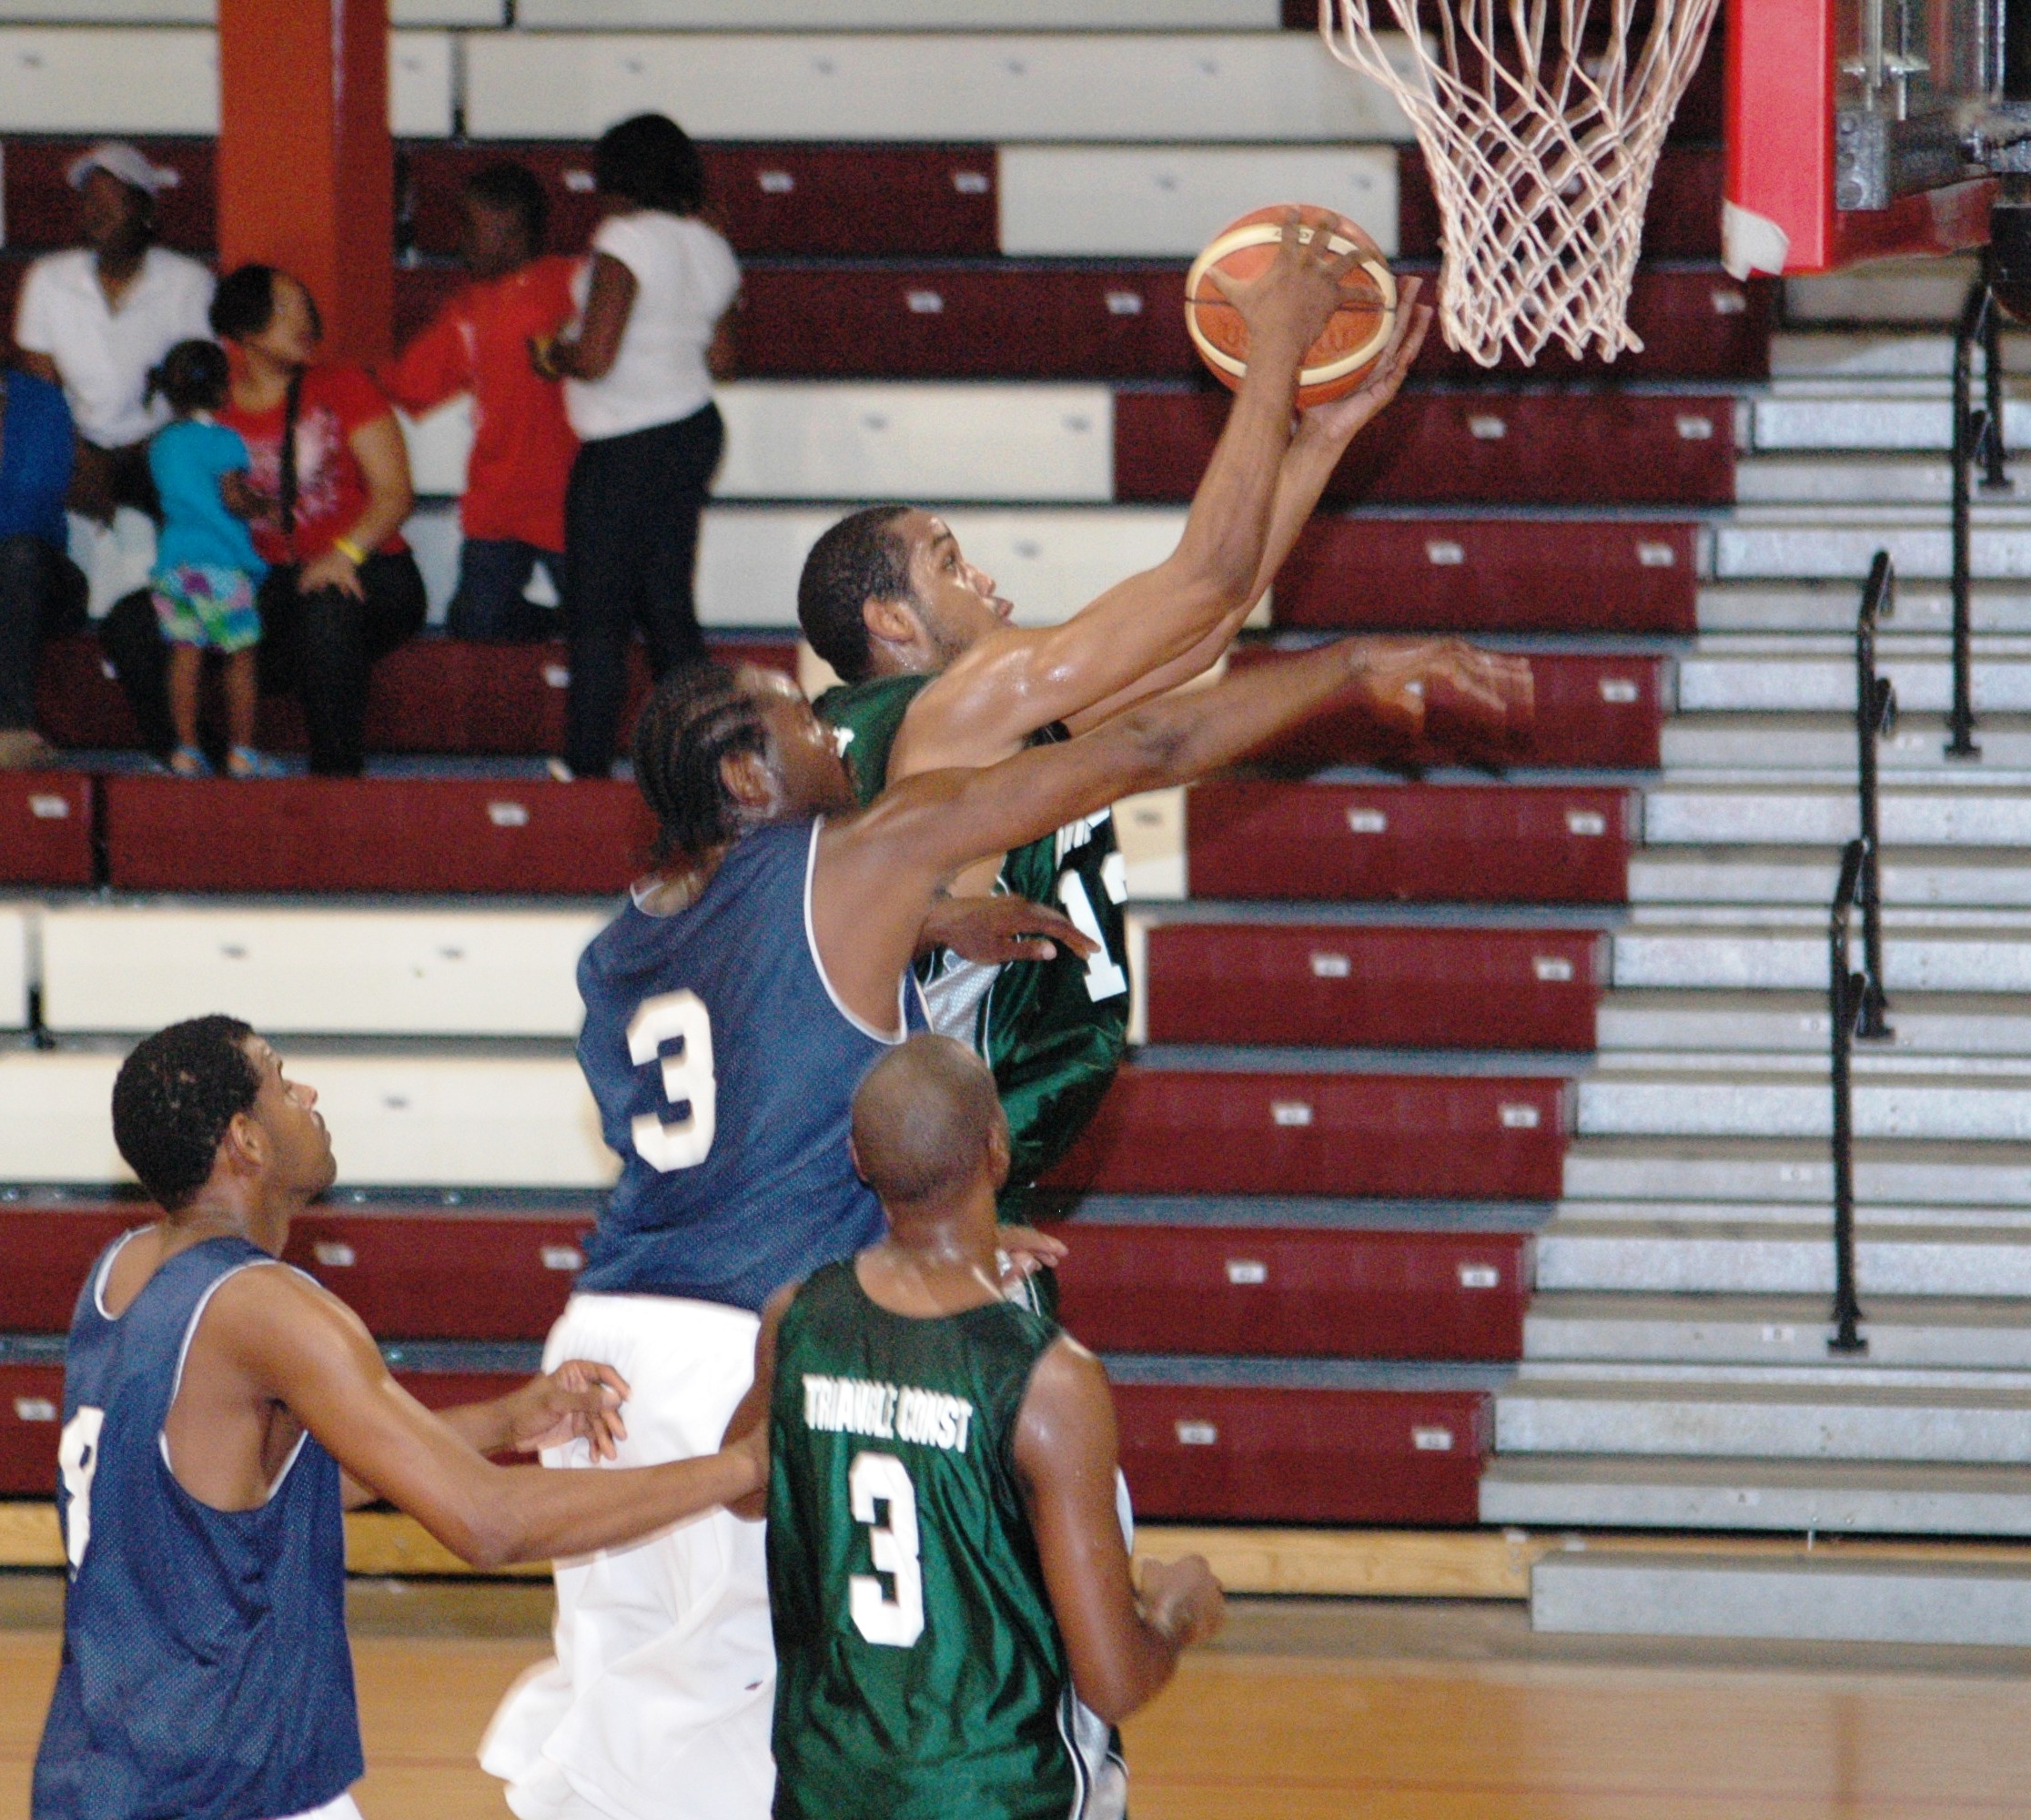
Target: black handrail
(1875, 713)
(1845, 992)
(1977, 437)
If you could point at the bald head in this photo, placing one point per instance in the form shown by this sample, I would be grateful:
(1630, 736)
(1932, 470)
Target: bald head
(924, 1118)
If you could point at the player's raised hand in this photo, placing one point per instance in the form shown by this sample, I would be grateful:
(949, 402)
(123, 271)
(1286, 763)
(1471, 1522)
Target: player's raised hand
(1182, 1600)
(1446, 692)
(1025, 1251)
(996, 929)
(1340, 421)
(580, 1400)
(1288, 303)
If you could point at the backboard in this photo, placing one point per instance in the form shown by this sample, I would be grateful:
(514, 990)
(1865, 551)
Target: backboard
(1861, 129)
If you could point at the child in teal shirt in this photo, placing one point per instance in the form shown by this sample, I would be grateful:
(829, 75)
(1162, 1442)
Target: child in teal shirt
(207, 570)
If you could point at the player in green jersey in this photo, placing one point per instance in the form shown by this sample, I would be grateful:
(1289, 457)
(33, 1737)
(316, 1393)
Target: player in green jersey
(935, 676)
(945, 1562)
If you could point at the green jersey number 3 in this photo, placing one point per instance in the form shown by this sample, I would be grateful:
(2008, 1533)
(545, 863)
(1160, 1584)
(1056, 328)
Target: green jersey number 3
(874, 1480)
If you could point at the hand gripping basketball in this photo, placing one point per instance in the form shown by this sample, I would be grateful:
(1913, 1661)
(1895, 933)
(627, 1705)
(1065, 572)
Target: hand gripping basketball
(1301, 270)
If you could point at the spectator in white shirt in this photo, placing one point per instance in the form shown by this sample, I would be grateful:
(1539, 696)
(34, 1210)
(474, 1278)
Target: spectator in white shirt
(98, 319)
(638, 372)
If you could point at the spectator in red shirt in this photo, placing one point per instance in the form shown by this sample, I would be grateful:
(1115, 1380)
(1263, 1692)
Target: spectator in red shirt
(512, 514)
(342, 589)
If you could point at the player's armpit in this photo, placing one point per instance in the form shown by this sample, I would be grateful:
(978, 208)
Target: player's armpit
(1066, 1452)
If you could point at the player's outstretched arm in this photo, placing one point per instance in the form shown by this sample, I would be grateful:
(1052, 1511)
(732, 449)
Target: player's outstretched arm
(992, 697)
(308, 1351)
(876, 870)
(1122, 1649)
(1322, 438)
(748, 1422)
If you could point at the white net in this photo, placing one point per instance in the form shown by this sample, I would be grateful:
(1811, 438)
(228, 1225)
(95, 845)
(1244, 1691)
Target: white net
(1541, 131)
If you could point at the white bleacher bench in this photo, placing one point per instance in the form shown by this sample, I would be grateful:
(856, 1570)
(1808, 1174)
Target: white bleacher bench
(1105, 201)
(470, 13)
(91, 79)
(899, 16)
(15, 923)
(1251, 88)
(396, 1119)
(434, 973)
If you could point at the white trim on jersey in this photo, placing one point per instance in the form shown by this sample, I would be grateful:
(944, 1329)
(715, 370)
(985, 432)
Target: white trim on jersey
(824, 979)
(106, 1270)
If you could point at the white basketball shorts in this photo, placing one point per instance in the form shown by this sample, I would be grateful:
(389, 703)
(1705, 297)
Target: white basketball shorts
(658, 1704)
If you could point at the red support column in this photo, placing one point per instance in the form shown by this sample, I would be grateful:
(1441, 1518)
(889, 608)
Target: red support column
(305, 163)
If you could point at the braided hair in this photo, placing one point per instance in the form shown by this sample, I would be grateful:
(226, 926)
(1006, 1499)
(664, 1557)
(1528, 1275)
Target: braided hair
(699, 714)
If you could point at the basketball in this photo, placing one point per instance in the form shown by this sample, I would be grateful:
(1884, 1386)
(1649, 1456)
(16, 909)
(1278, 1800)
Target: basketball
(1353, 340)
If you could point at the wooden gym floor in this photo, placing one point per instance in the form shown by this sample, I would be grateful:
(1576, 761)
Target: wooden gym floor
(1306, 1710)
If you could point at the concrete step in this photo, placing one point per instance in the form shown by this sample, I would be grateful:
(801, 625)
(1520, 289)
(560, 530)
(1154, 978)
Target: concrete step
(1829, 1601)
(1974, 813)
(1941, 1024)
(1836, 542)
(1814, 1211)
(1660, 1256)
(1812, 480)
(1827, 354)
(1681, 1103)
(1739, 679)
(1758, 1330)
(1822, 746)
(1829, 607)
(1607, 1491)
(1924, 292)
(1838, 412)
(1781, 1172)
(1833, 1413)
(1752, 955)
(1778, 875)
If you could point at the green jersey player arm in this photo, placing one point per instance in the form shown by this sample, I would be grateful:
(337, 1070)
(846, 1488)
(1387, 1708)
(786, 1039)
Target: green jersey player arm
(1121, 1649)
(295, 1343)
(993, 695)
(875, 872)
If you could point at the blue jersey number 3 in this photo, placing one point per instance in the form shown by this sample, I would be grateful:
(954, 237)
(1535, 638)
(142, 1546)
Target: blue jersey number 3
(687, 1080)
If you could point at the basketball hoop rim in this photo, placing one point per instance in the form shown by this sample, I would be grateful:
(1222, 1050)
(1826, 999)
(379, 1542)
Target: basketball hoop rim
(1266, 233)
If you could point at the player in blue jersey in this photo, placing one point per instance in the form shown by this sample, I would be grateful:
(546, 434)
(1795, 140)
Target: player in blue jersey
(933, 674)
(731, 1012)
(220, 1410)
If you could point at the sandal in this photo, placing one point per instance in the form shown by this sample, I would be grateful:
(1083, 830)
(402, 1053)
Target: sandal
(187, 760)
(243, 760)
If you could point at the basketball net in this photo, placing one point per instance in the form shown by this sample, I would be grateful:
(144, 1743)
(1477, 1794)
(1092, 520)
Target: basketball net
(1541, 147)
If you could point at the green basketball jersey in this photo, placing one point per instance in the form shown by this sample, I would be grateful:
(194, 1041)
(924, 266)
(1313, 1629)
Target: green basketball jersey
(1053, 1031)
(920, 1673)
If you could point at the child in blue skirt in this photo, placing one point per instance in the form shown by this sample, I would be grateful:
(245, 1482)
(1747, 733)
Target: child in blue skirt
(207, 571)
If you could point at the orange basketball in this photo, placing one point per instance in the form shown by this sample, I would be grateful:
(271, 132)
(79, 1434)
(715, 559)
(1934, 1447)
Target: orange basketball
(1353, 340)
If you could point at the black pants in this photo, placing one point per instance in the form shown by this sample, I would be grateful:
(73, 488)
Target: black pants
(322, 646)
(42, 596)
(631, 544)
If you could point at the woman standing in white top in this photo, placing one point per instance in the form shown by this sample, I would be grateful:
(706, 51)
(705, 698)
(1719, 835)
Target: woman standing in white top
(638, 371)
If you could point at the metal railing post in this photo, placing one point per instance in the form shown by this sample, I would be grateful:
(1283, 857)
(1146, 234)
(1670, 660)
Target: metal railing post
(1875, 712)
(1845, 992)
(1971, 432)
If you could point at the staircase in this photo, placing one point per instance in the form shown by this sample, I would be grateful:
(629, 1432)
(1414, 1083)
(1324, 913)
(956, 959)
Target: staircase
(1675, 1372)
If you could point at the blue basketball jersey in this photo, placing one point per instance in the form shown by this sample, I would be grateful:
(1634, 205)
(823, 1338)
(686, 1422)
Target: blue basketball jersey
(724, 1069)
(205, 1673)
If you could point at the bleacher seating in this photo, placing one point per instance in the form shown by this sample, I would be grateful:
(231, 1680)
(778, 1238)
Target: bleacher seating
(1305, 1227)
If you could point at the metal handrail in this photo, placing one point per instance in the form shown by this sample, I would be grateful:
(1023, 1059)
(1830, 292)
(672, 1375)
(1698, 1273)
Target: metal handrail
(1977, 437)
(1846, 992)
(1875, 715)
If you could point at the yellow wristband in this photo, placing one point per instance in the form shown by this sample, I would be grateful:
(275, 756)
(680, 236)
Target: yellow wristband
(350, 551)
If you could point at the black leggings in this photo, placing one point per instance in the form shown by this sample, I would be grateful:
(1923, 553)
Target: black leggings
(630, 542)
(320, 646)
(42, 596)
